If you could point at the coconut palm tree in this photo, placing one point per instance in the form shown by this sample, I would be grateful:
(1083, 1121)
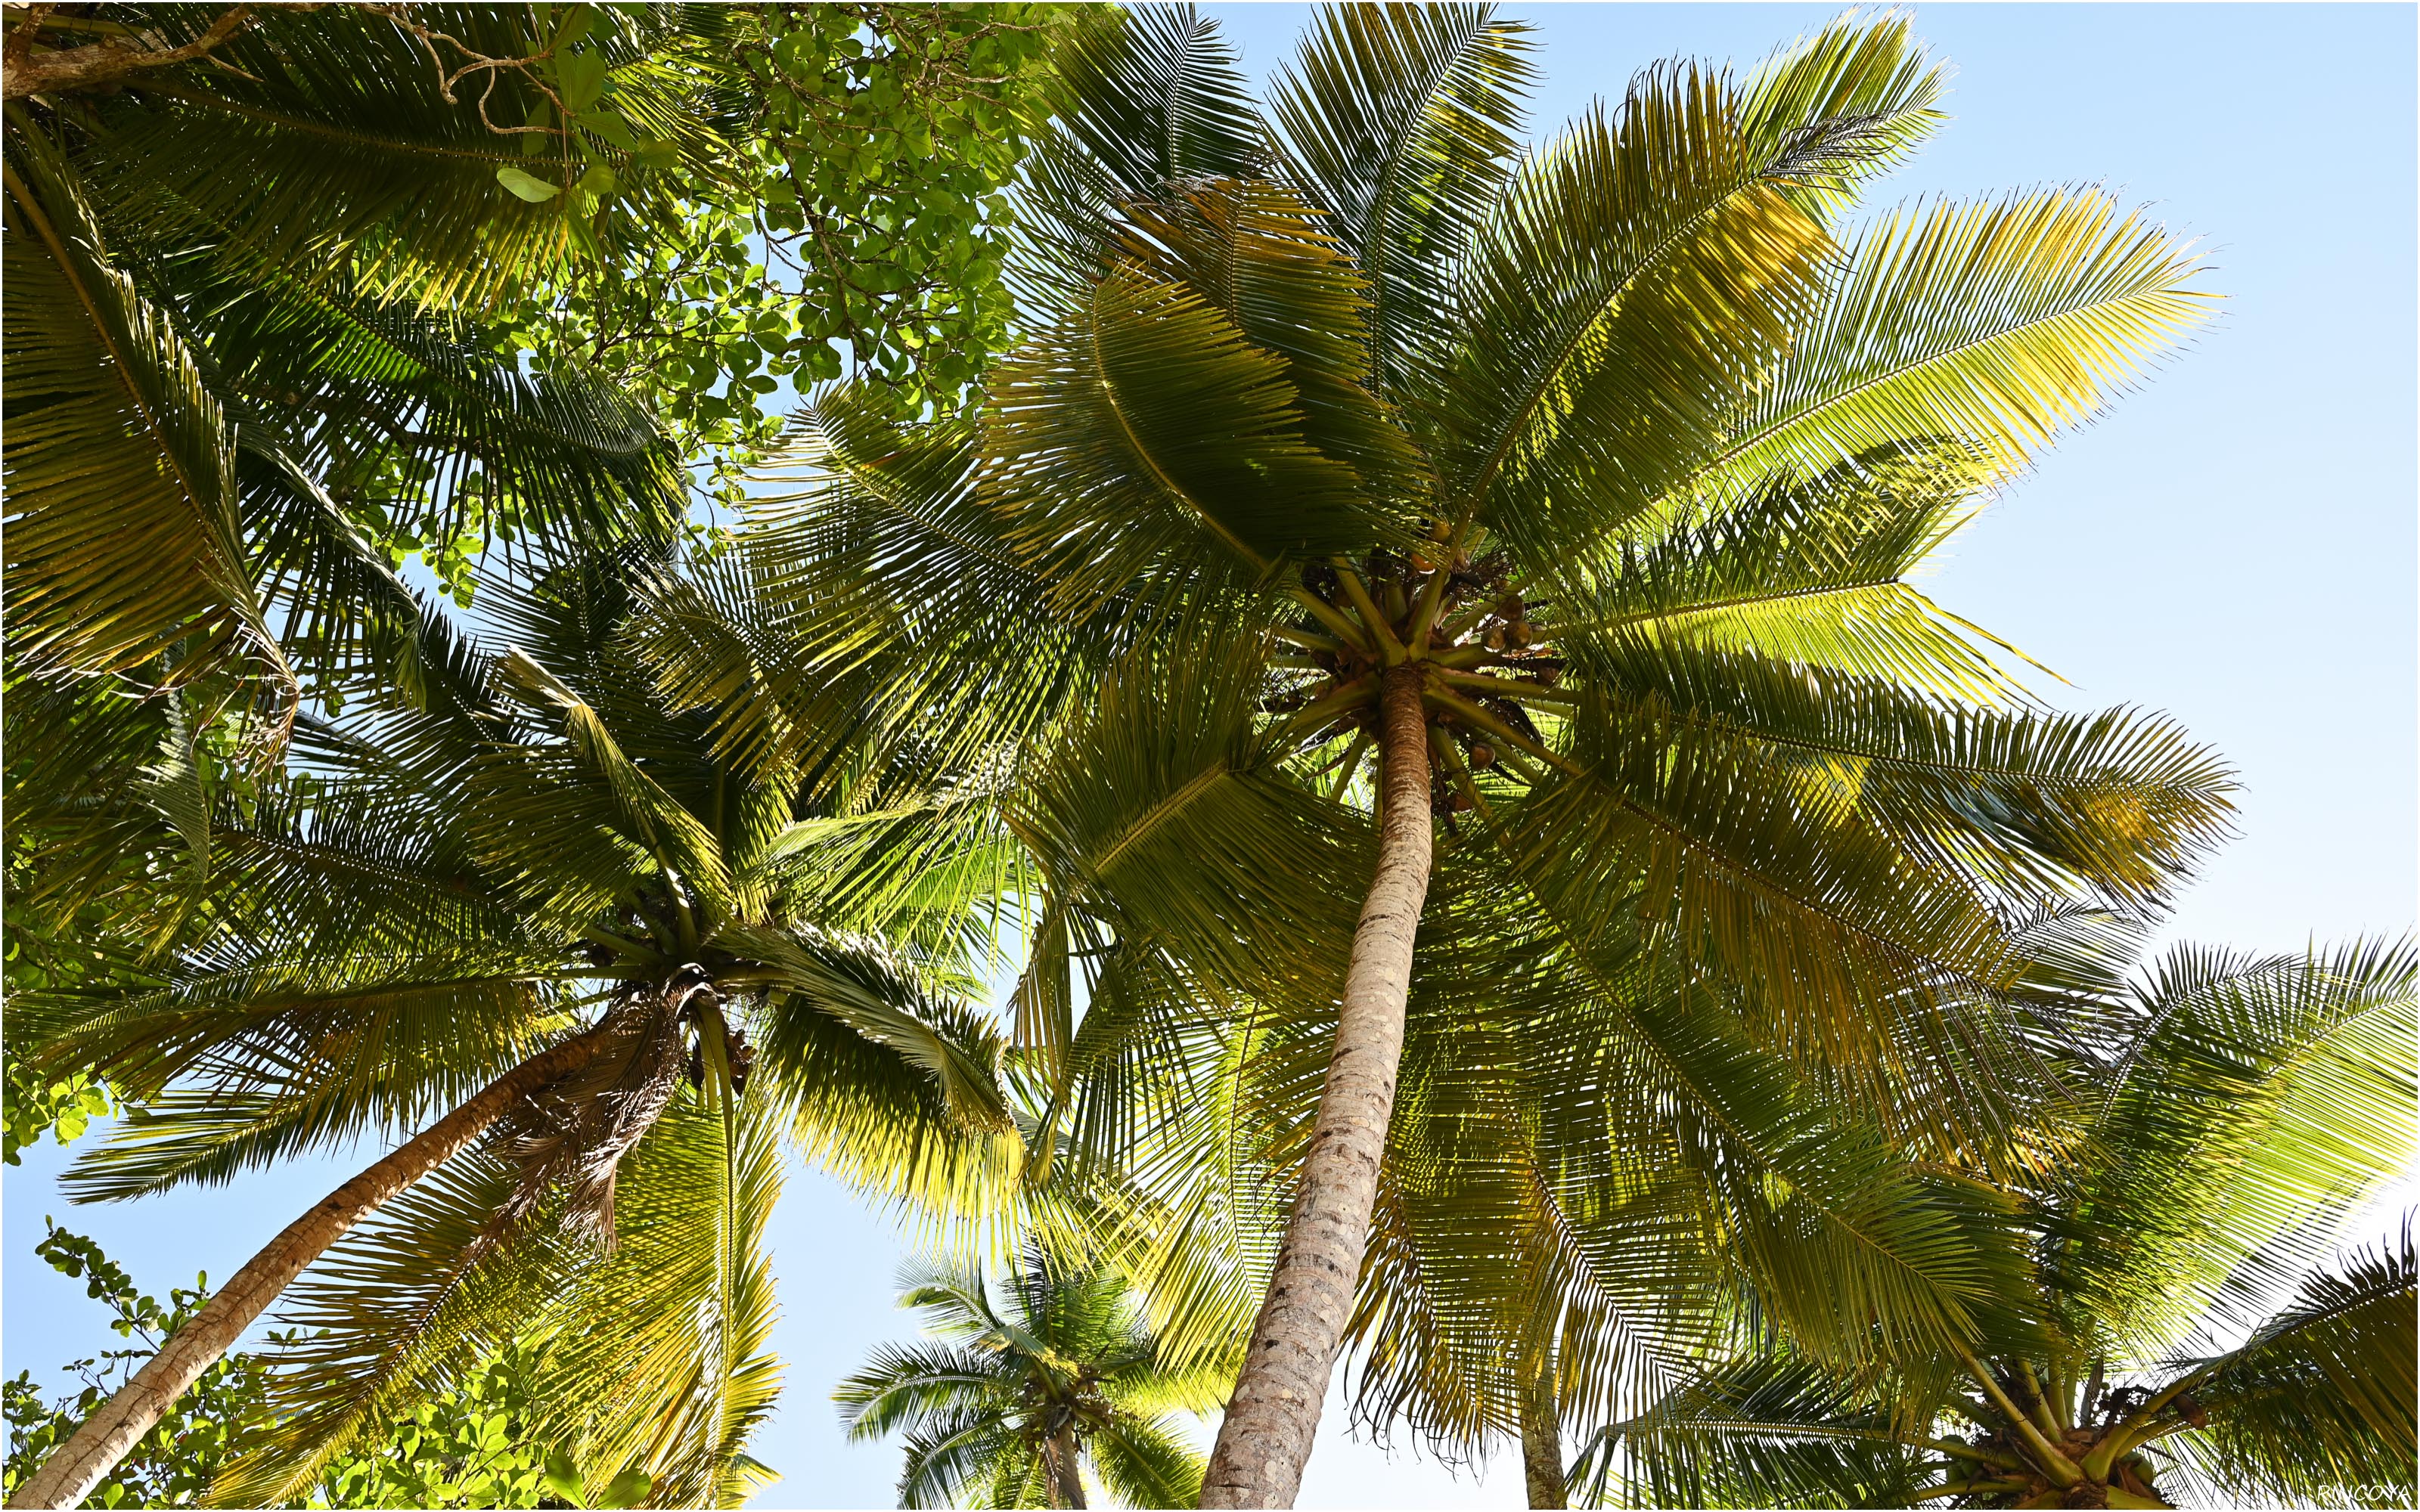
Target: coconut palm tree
(534, 903)
(1579, 490)
(1015, 1399)
(2178, 1336)
(248, 252)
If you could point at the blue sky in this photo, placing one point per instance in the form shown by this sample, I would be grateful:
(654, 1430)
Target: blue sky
(2234, 543)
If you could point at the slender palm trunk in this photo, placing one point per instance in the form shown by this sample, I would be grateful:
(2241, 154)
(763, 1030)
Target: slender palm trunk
(1542, 1437)
(1066, 1479)
(1270, 1421)
(96, 1447)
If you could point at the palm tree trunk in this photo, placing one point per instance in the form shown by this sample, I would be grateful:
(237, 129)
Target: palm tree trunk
(1542, 1437)
(97, 1446)
(1066, 1480)
(1266, 1437)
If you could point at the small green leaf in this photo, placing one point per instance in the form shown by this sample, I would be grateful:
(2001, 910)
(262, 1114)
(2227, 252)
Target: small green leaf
(528, 186)
(563, 1479)
(580, 78)
(609, 127)
(627, 1489)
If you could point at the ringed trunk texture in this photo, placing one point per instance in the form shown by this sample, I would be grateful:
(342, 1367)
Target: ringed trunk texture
(94, 1448)
(1541, 1438)
(1265, 1439)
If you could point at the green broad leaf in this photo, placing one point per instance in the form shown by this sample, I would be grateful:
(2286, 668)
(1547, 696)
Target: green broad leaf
(527, 186)
(655, 155)
(627, 1489)
(611, 128)
(562, 1477)
(574, 28)
(580, 79)
(541, 114)
(598, 180)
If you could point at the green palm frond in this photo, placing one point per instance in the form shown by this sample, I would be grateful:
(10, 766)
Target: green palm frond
(419, 1291)
(1138, 424)
(1828, 926)
(678, 1391)
(2259, 1099)
(1268, 262)
(859, 985)
(1812, 573)
(1160, 812)
(2318, 1403)
(1155, 100)
(1999, 323)
(1148, 1463)
(1866, 80)
(2019, 804)
(423, 423)
(122, 535)
(327, 140)
(1757, 1433)
(1641, 270)
(237, 1074)
(1403, 122)
(641, 811)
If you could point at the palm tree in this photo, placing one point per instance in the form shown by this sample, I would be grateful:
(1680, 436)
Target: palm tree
(1014, 1401)
(1581, 490)
(2174, 1330)
(532, 903)
(244, 357)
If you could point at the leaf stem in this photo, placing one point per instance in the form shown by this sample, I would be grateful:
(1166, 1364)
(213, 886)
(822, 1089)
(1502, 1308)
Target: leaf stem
(2062, 1470)
(1389, 649)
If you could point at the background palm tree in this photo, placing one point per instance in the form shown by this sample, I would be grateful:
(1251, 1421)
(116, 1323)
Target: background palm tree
(2177, 1335)
(432, 901)
(1009, 1409)
(1583, 491)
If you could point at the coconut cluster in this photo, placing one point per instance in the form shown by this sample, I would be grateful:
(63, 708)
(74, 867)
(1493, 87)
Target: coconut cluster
(1482, 625)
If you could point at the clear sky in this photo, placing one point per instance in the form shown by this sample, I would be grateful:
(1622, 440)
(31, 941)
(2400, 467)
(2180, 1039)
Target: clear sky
(2234, 543)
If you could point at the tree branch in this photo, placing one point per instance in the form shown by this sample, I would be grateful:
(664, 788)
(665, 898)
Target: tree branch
(98, 65)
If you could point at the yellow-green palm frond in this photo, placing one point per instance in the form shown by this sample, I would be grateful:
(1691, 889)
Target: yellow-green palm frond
(2319, 1400)
(1811, 572)
(1639, 274)
(1270, 262)
(123, 539)
(2022, 807)
(1155, 98)
(1867, 75)
(2255, 1103)
(419, 1291)
(1996, 322)
(1139, 429)
(1403, 122)
(678, 1388)
(326, 142)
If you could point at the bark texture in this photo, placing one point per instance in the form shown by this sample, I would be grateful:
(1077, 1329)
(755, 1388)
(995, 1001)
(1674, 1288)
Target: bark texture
(1066, 1476)
(94, 1450)
(1542, 1437)
(1266, 1437)
(99, 64)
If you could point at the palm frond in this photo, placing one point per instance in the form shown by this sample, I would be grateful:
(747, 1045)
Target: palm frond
(1999, 322)
(1403, 122)
(122, 533)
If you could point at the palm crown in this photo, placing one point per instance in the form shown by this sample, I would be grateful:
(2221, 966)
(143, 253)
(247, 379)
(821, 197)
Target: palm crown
(549, 868)
(2239, 1109)
(1581, 487)
(1015, 1399)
